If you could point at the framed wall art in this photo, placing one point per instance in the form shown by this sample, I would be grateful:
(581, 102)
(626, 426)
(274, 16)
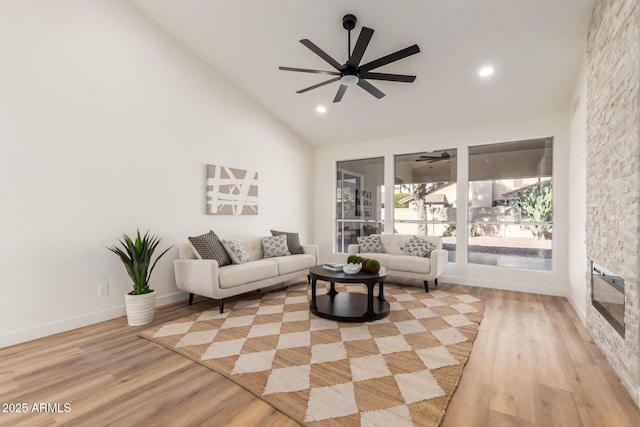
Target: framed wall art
(231, 191)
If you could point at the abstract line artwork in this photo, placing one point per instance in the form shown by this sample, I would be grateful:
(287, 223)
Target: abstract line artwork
(231, 191)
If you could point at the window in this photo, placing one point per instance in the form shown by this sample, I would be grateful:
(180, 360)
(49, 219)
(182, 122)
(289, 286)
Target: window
(425, 196)
(511, 204)
(359, 200)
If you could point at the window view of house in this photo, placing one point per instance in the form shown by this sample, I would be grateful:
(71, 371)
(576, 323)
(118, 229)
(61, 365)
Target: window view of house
(359, 200)
(425, 196)
(511, 204)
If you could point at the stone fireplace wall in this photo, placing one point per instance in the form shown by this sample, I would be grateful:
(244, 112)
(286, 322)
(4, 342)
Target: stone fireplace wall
(613, 174)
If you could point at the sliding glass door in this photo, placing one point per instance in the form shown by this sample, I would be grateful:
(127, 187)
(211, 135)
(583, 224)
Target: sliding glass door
(359, 200)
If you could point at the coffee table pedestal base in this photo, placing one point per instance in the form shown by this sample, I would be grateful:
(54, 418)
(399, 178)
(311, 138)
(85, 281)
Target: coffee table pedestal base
(349, 307)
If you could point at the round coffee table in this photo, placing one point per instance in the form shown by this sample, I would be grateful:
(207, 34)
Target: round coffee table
(348, 306)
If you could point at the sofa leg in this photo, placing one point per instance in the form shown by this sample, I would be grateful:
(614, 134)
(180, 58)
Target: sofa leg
(426, 286)
(435, 281)
(308, 279)
(221, 304)
(190, 299)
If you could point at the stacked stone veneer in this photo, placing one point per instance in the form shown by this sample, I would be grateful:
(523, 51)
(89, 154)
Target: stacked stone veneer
(613, 174)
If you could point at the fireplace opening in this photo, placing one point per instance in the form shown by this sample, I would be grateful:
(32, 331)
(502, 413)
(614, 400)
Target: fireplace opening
(607, 296)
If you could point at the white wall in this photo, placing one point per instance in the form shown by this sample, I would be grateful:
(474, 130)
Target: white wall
(555, 125)
(578, 268)
(106, 124)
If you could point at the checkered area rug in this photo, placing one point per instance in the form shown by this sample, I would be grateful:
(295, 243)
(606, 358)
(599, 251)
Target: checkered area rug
(397, 371)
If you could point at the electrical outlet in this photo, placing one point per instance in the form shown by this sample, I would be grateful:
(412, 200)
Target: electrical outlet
(103, 289)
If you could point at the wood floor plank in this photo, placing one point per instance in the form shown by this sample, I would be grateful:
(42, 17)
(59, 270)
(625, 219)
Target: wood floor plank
(533, 363)
(560, 409)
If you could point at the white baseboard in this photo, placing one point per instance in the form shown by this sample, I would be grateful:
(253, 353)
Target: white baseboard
(44, 330)
(171, 298)
(580, 310)
(506, 286)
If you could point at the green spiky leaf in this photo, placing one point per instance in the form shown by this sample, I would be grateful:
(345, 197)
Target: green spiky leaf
(136, 257)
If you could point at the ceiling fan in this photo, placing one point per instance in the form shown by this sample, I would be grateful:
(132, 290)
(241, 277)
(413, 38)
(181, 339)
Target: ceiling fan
(430, 159)
(351, 72)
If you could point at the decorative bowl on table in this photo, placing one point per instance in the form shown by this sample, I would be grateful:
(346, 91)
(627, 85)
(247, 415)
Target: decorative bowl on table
(352, 268)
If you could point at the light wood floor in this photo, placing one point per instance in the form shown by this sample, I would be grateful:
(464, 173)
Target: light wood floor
(533, 363)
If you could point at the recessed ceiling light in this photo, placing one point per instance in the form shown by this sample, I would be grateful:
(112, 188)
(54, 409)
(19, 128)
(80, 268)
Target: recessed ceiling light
(321, 109)
(485, 71)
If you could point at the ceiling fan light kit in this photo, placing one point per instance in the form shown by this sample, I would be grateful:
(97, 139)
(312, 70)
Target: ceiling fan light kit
(349, 80)
(351, 73)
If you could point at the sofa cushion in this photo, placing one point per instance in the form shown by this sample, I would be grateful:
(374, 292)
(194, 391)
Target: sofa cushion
(393, 242)
(253, 246)
(289, 264)
(275, 246)
(418, 247)
(239, 274)
(381, 257)
(209, 246)
(410, 264)
(293, 241)
(370, 244)
(237, 252)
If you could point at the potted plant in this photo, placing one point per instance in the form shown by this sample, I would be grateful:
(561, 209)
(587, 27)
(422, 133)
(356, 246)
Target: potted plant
(136, 257)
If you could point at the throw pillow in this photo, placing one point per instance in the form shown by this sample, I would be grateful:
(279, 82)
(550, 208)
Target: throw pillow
(209, 246)
(293, 241)
(237, 252)
(275, 246)
(370, 244)
(418, 247)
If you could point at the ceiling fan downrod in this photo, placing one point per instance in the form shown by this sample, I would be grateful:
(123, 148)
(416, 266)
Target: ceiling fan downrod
(349, 23)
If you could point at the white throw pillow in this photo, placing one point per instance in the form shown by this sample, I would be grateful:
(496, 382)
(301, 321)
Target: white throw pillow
(418, 247)
(275, 246)
(370, 244)
(236, 251)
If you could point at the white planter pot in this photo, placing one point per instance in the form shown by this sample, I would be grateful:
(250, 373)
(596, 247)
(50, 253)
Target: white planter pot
(140, 308)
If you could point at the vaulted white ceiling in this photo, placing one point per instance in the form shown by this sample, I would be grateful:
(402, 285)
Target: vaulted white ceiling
(534, 46)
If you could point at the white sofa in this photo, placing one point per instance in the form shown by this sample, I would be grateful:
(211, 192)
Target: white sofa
(400, 264)
(204, 276)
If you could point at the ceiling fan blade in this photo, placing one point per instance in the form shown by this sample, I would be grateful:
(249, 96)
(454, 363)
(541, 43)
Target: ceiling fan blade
(361, 45)
(341, 90)
(370, 88)
(388, 77)
(318, 85)
(321, 53)
(304, 70)
(395, 56)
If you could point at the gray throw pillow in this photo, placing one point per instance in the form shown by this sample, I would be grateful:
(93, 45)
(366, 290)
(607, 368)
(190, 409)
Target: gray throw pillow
(293, 241)
(275, 246)
(237, 252)
(209, 246)
(418, 247)
(370, 244)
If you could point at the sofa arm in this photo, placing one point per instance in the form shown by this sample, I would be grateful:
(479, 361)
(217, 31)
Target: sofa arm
(312, 250)
(439, 260)
(353, 249)
(197, 276)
